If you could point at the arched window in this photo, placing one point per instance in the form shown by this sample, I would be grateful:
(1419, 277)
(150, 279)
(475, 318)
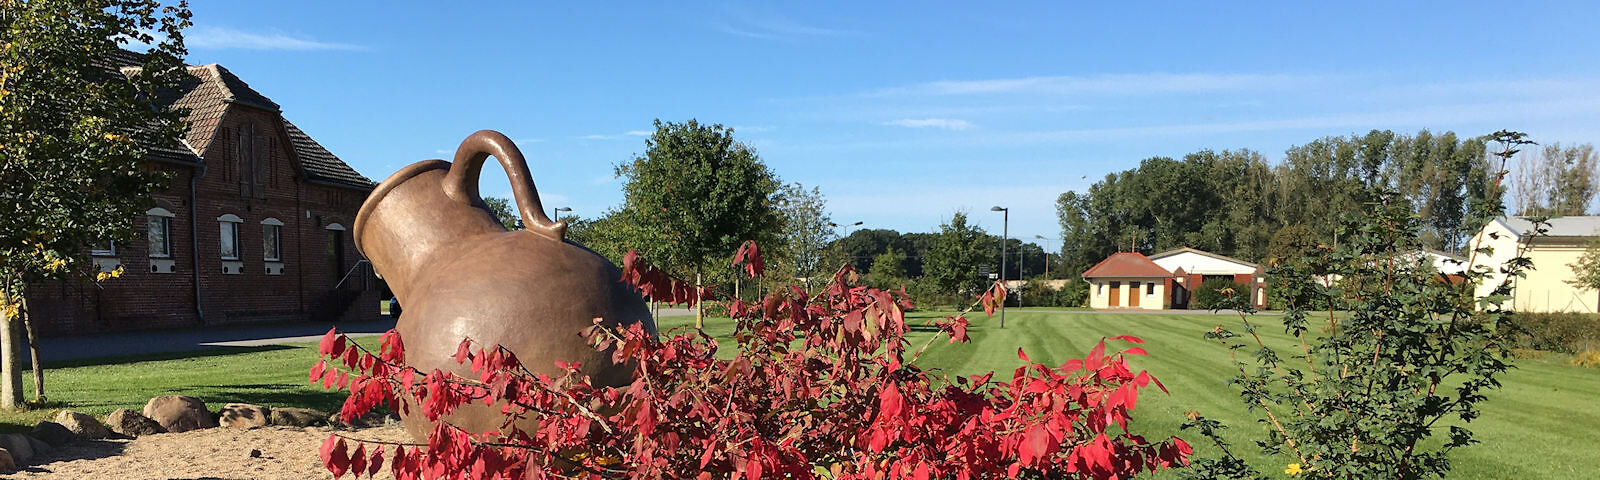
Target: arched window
(271, 240)
(229, 243)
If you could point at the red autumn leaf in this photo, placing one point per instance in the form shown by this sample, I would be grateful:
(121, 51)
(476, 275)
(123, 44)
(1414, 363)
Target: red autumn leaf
(1135, 351)
(463, 350)
(750, 255)
(1128, 338)
(336, 459)
(316, 370)
(326, 346)
(890, 402)
(358, 460)
(375, 462)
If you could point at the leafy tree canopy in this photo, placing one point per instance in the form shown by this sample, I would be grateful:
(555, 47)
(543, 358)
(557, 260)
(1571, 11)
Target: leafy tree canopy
(696, 194)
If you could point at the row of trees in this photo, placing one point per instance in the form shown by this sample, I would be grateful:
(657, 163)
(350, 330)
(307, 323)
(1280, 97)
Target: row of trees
(1236, 203)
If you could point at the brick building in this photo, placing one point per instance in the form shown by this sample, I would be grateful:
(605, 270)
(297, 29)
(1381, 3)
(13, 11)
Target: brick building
(253, 228)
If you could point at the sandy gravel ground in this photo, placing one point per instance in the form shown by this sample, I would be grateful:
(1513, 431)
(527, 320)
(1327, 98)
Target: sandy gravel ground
(214, 453)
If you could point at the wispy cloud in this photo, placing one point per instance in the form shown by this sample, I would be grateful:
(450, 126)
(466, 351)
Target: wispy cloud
(944, 123)
(1110, 84)
(639, 133)
(227, 38)
(773, 26)
(597, 136)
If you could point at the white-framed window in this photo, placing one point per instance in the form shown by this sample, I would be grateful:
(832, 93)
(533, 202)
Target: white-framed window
(1100, 288)
(1150, 289)
(104, 249)
(229, 243)
(271, 240)
(158, 232)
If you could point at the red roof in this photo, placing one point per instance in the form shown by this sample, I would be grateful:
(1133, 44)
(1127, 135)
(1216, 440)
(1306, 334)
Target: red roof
(1126, 264)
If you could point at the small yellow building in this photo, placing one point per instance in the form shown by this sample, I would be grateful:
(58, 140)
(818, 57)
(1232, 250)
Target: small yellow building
(1128, 280)
(1545, 289)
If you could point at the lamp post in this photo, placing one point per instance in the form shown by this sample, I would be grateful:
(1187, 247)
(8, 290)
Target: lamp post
(1005, 233)
(847, 228)
(559, 210)
(1046, 254)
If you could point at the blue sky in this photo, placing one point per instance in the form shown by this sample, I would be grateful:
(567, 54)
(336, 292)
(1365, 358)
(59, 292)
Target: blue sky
(903, 112)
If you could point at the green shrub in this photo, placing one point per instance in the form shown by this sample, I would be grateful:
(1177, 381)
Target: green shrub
(1560, 332)
(1214, 293)
(1075, 293)
(1038, 294)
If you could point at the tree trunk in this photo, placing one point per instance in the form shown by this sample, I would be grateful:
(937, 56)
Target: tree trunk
(33, 353)
(11, 385)
(699, 307)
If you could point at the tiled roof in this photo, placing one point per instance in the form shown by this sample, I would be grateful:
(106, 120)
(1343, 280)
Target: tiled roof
(322, 165)
(125, 62)
(1126, 264)
(209, 92)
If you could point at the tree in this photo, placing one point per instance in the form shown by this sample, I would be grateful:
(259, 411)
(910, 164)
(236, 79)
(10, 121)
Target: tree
(503, 212)
(1586, 271)
(1556, 181)
(954, 257)
(1291, 244)
(888, 270)
(805, 235)
(695, 194)
(73, 138)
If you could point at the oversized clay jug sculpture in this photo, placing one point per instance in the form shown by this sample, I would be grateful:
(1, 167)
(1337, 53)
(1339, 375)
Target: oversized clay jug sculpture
(460, 274)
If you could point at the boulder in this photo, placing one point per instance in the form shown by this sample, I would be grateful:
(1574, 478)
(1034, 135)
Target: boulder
(7, 464)
(40, 449)
(131, 423)
(54, 433)
(21, 449)
(370, 419)
(298, 417)
(178, 413)
(82, 424)
(243, 415)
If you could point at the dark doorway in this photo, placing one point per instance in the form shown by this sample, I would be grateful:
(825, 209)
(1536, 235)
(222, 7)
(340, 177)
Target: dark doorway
(336, 254)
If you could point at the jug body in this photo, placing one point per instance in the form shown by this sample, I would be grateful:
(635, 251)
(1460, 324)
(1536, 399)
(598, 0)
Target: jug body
(461, 275)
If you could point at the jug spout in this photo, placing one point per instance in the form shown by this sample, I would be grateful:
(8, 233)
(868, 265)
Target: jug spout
(408, 218)
(434, 204)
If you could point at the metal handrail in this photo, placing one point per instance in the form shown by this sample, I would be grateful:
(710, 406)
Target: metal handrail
(347, 274)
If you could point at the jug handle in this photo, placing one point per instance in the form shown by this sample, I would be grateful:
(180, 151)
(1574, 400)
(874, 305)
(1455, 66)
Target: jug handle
(461, 183)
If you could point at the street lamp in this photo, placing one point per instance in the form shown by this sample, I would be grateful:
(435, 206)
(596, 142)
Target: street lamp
(1005, 234)
(1046, 254)
(846, 227)
(561, 209)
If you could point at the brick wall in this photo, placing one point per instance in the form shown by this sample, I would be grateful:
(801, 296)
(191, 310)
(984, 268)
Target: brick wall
(143, 299)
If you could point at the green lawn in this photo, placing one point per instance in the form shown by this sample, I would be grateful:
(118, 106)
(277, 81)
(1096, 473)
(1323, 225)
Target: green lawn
(272, 376)
(1545, 423)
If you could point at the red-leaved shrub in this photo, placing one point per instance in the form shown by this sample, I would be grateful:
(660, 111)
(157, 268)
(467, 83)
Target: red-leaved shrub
(822, 386)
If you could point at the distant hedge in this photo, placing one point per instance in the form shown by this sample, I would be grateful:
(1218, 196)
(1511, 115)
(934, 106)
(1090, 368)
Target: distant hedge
(1211, 295)
(1561, 332)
